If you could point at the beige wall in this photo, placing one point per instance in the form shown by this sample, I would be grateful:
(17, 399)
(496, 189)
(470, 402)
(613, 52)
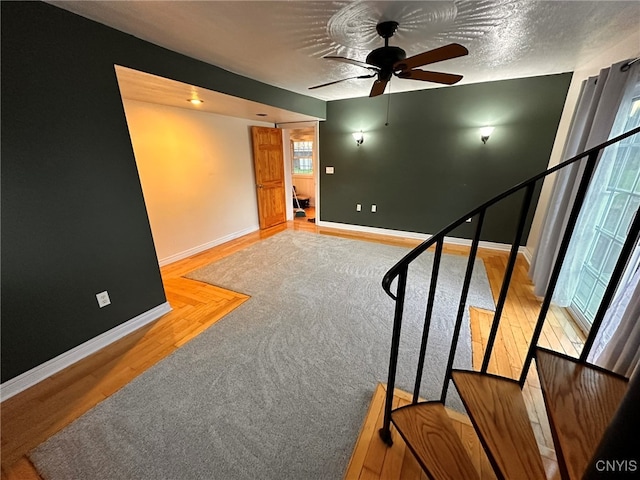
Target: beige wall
(196, 170)
(630, 48)
(306, 185)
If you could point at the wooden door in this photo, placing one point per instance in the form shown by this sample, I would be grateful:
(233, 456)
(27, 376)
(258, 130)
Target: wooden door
(268, 159)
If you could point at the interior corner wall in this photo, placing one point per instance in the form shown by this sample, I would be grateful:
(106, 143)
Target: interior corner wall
(428, 167)
(74, 221)
(196, 170)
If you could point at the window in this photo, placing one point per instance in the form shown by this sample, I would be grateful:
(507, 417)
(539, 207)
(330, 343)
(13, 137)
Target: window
(302, 158)
(617, 204)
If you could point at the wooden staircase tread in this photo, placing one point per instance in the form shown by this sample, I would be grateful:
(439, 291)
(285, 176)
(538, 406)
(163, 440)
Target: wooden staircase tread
(428, 432)
(580, 401)
(498, 412)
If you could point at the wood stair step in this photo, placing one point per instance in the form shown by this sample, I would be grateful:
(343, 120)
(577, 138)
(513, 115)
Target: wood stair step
(498, 412)
(428, 432)
(581, 401)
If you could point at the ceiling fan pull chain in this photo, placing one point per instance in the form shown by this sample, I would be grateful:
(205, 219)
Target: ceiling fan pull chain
(386, 124)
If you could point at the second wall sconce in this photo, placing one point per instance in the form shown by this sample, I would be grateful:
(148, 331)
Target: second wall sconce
(485, 133)
(358, 137)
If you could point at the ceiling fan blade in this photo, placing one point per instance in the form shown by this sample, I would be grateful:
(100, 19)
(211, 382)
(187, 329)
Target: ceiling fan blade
(453, 50)
(342, 80)
(425, 76)
(378, 88)
(353, 62)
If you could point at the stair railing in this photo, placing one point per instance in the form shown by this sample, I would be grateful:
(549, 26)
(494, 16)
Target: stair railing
(400, 270)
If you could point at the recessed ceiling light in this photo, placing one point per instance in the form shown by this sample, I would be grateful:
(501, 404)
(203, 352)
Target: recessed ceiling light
(261, 114)
(194, 101)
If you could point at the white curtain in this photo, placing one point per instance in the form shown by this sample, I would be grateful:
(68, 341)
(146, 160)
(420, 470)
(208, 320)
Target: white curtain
(598, 104)
(617, 345)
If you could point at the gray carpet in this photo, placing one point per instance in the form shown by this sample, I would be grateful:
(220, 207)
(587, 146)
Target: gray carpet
(277, 389)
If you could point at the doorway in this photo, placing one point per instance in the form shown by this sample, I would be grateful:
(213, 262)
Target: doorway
(301, 169)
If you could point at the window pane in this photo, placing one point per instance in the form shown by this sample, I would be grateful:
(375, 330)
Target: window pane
(616, 209)
(599, 251)
(612, 258)
(584, 288)
(303, 165)
(618, 164)
(302, 158)
(629, 173)
(629, 212)
(595, 300)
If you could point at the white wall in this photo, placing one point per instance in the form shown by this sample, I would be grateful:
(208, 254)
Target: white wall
(196, 170)
(630, 48)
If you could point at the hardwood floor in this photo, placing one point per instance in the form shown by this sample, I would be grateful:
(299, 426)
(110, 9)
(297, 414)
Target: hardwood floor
(510, 348)
(34, 415)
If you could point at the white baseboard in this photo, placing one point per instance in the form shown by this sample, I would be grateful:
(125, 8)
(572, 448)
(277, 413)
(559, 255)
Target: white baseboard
(206, 246)
(417, 236)
(29, 378)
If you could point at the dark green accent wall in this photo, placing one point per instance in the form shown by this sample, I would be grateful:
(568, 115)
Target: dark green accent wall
(74, 221)
(428, 167)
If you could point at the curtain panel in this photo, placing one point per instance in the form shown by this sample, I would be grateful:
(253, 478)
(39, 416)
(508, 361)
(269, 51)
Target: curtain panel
(602, 112)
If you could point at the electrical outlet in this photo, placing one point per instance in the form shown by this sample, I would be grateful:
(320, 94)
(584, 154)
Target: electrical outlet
(358, 207)
(103, 299)
(374, 208)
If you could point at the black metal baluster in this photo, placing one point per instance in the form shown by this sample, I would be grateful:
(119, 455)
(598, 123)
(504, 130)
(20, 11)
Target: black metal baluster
(427, 317)
(400, 271)
(463, 301)
(616, 275)
(562, 253)
(511, 263)
(385, 431)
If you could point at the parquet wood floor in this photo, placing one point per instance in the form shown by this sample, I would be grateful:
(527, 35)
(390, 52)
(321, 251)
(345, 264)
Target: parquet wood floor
(37, 413)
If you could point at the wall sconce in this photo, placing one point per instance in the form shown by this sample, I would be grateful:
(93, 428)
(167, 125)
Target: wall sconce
(485, 133)
(358, 137)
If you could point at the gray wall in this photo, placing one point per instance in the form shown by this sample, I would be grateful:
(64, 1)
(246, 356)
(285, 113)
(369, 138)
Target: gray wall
(428, 167)
(73, 216)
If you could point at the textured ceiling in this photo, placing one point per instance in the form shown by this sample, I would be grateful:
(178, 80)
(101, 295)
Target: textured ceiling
(282, 43)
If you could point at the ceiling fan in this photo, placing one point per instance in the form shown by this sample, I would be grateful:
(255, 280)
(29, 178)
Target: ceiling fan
(386, 61)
